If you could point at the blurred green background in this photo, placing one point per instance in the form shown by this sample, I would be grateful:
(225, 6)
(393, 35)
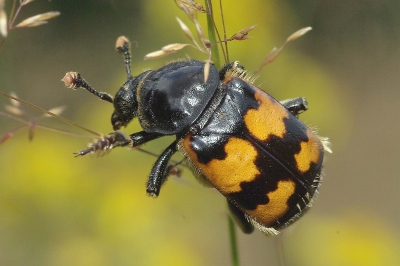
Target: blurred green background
(59, 210)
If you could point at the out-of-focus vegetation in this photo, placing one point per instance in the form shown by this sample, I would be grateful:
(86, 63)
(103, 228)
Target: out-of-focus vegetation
(59, 210)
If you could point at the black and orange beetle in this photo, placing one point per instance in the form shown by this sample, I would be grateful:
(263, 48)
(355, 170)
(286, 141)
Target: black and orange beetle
(236, 137)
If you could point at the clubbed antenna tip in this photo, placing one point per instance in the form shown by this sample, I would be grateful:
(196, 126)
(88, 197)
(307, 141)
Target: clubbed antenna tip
(123, 47)
(73, 80)
(122, 44)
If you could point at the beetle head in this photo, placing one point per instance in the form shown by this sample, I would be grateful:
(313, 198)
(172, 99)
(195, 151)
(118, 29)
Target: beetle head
(125, 105)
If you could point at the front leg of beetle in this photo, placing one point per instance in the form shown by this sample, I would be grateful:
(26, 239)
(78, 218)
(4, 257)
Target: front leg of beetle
(159, 172)
(142, 137)
(295, 106)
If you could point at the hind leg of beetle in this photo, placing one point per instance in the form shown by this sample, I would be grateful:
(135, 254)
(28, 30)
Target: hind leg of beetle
(160, 171)
(240, 219)
(295, 106)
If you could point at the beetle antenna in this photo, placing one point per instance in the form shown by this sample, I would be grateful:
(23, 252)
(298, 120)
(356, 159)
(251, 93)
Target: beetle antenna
(73, 80)
(123, 47)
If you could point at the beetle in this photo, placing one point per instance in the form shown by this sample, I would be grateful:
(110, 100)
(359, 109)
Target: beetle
(237, 138)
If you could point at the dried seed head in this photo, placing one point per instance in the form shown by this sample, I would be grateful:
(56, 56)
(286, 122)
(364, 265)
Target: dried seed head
(38, 19)
(186, 30)
(166, 50)
(200, 33)
(156, 54)
(243, 34)
(70, 80)
(188, 6)
(171, 48)
(207, 70)
(105, 143)
(6, 137)
(191, 5)
(13, 110)
(3, 23)
(298, 34)
(25, 2)
(14, 102)
(199, 7)
(56, 110)
(207, 43)
(273, 54)
(15, 107)
(189, 12)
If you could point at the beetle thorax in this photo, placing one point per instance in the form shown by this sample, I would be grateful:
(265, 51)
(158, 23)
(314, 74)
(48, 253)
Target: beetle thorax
(173, 97)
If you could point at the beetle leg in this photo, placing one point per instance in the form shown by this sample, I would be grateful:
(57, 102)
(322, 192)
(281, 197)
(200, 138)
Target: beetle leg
(142, 137)
(159, 172)
(240, 219)
(295, 106)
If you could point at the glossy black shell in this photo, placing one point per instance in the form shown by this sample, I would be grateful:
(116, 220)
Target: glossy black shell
(174, 96)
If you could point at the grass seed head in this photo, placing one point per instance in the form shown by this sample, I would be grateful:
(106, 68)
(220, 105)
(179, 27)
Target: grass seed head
(38, 19)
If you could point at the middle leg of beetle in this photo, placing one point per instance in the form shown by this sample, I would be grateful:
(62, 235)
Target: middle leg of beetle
(142, 137)
(160, 170)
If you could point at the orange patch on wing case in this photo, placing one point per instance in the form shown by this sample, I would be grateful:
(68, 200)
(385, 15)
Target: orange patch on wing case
(310, 152)
(267, 120)
(277, 206)
(237, 167)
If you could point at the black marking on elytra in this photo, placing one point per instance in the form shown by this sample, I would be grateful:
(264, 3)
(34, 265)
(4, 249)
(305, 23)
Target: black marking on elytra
(276, 162)
(209, 147)
(299, 197)
(254, 193)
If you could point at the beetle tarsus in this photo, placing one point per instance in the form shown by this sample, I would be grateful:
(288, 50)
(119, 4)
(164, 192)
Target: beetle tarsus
(142, 137)
(159, 172)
